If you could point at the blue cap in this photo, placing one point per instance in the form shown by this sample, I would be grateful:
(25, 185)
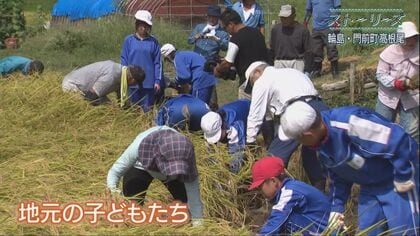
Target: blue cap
(214, 10)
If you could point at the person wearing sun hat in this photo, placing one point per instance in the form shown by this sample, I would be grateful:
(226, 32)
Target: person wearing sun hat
(228, 125)
(159, 153)
(272, 88)
(298, 207)
(209, 38)
(398, 76)
(359, 146)
(143, 50)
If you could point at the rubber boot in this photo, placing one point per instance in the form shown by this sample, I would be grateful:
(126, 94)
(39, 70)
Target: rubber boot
(334, 69)
(316, 70)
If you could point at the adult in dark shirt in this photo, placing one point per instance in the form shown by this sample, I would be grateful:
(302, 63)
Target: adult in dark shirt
(290, 42)
(246, 46)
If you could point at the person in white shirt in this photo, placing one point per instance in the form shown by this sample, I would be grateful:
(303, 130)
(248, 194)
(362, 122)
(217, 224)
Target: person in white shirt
(272, 90)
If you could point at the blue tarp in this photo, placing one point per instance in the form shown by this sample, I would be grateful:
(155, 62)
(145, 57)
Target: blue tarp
(81, 9)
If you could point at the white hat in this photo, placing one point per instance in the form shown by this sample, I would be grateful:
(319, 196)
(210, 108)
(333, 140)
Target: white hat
(145, 16)
(166, 49)
(286, 10)
(211, 124)
(408, 28)
(251, 69)
(296, 119)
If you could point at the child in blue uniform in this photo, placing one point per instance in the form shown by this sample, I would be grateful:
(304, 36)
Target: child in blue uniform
(180, 110)
(298, 207)
(228, 125)
(359, 146)
(190, 74)
(143, 50)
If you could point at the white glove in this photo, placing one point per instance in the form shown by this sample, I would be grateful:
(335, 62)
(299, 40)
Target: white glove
(336, 220)
(196, 222)
(403, 187)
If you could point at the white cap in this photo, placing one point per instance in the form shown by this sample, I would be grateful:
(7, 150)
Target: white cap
(296, 119)
(408, 28)
(251, 69)
(211, 124)
(166, 49)
(286, 10)
(145, 16)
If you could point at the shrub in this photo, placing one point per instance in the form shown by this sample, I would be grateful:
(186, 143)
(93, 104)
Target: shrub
(68, 41)
(12, 21)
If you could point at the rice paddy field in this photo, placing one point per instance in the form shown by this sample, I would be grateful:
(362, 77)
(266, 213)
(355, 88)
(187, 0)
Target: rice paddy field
(55, 147)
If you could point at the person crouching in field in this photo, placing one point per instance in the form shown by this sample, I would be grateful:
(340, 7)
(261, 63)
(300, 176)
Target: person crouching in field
(228, 125)
(27, 66)
(99, 79)
(298, 207)
(159, 153)
(357, 145)
(182, 111)
(190, 74)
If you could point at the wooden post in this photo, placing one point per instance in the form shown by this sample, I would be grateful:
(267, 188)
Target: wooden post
(362, 82)
(352, 81)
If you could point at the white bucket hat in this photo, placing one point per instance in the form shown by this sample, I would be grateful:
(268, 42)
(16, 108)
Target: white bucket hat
(296, 119)
(145, 16)
(408, 28)
(211, 124)
(166, 49)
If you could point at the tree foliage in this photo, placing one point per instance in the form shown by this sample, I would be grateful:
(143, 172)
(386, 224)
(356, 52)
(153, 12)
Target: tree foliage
(12, 20)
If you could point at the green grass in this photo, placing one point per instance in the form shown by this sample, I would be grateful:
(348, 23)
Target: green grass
(32, 5)
(66, 47)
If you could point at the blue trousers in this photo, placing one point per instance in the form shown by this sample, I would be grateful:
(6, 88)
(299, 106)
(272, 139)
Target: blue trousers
(392, 211)
(398, 212)
(285, 149)
(204, 94)
(144, 97)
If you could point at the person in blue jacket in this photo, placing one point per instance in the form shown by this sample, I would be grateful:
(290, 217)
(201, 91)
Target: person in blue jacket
(143, 50)
(27, 66)
(190, 74)
(251, 13)
(228, 125)
(182, 111)
(298, 207)
(209, 38)
(357, 145)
